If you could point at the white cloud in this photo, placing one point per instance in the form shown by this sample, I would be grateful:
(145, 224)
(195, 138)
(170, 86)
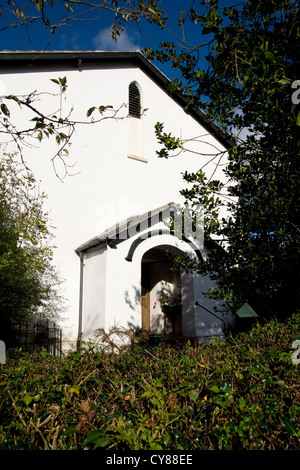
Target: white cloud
(104, 42)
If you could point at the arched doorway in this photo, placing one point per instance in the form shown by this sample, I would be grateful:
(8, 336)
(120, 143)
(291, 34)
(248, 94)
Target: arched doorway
(160, 279)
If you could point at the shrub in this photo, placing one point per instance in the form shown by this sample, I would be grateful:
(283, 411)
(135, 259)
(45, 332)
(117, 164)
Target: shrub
(242, 393)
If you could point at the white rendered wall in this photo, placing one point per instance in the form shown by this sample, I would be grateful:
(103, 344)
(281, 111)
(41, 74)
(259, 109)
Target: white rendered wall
(107, 186)
(94, 291)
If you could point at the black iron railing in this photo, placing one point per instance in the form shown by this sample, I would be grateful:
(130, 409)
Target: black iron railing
(41, 335)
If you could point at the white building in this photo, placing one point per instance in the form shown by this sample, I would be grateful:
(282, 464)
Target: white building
(113, 277)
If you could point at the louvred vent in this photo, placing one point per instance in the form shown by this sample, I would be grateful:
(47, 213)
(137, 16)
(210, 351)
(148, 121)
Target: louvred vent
(134, 101)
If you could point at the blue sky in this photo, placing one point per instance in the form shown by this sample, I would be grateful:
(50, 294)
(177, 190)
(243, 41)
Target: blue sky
(95, 35)
(88, 35)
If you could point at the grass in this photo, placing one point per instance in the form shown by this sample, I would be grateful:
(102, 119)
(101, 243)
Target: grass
(242, 393)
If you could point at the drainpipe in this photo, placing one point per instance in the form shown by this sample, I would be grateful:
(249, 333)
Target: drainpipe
(80, 303)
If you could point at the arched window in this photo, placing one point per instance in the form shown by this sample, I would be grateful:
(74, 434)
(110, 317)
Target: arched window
(134, 101)
(136, 125)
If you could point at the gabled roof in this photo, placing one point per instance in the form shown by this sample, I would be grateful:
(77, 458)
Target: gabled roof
(139, 224)
(30, 59)
(115, 233)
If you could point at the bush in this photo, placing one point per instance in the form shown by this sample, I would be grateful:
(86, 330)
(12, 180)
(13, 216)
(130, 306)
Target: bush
(242, 393)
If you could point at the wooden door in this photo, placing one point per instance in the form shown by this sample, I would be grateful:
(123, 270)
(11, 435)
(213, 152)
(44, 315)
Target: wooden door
(145, 300)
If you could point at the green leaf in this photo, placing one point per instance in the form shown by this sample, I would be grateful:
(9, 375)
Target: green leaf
(27, 399)
(215, 389)
(93, 436)
(68, 432)
(284, 81)
(206, 30)
(193, 395)
(290, 426)
(97, 438)
(5, 109)
(298, 119)
(102, 442)
(242, 403)
(63, 81)
(167, 439)
(90, 111)
(14, 98)
(156, 447)
(75, 389)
